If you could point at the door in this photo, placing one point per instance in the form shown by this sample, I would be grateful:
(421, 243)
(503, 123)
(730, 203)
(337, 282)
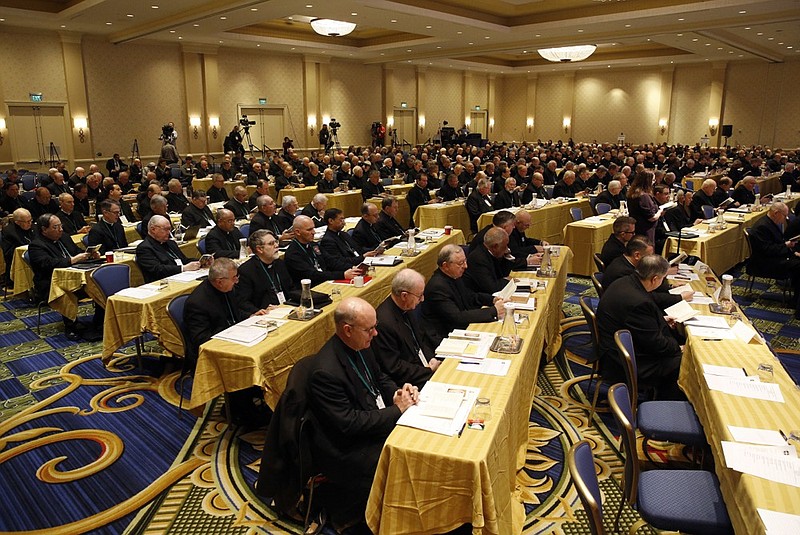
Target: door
(270, 126)
(478, 123)
(34, 129)
(405, 121)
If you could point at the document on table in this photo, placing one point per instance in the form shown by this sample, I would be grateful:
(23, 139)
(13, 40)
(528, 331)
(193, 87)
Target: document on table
(744, 332)
(778, 464)
(188, 276)
(724, 371)
(777, 523)
(497, 367)
(684, 277)
(137, 293)
(712, 322)
(677, 290)
(529, 304)
(745, 388)
(250, 331)
(751, 435)
(383, 260)
(709, 333)
(433, 399)
(280, 312)
(681, 311)
(466, 345)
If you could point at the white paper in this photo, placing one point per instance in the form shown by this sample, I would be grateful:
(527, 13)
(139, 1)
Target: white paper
(280, 312)
(137, 293)
(681, 311)
(188, 276)
(440, 404)
(724, 371)
(743, 331)
(767, 437)
(684, 277)
(677, 290)
(529, 305)
(413, 417)
(699, 298)
(507, 291)
(777, 523)
(246, 336)
(497, 367)
(713, 322)
(745, 388)
(777, 464)
(383, 260)
(710, 333)
(352, 220)
(593, 219)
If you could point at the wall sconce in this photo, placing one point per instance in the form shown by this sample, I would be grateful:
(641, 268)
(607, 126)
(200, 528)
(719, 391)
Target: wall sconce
(491, 124)
(467, 121)
(81, 123)
(567, 123)
(529, 124)
(2, 128)
(213, 122)
(713, 123)
(390, 121)
(421, 123)
(662, 125)
(326, 119)
(194, 122)
(312, 124)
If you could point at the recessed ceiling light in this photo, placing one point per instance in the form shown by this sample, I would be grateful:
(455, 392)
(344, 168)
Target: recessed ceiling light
(747, 27)
(708, 44)
(487, 37)
(681, 20)
(353, 14)
(770, 38)
(408, 61)
(172, 31)
(309, 6)
(538, 35)
(63, 25)
(627, 25)
(760, 33)
(742, 12)
(429, 26)
(719, 48)
(179, 37)
(129, 15)
(680, 35)
(780, 43)
(253, 9)
(154, 6)
(789, 46)
(648, 40)
(438, 47)
(382, 54)
(524, 51)
(220, 42)
(741, 55)
(109, 23)
(580, 31)
(730, 51)
(393, 21)
(694, 40)
(258, 44)
(196, 25)
(470, 43)
(409, 50)
(290, 18)
(223, 18)
(459, 33)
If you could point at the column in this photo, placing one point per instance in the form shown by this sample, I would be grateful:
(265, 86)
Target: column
(665, 105)
(567, 126)
(313, 119)
(530, 108)
(387, 98)
(715, 103)
(422, 104)
(193, 142)
(214, 133)
(491, 98)
(77, 101)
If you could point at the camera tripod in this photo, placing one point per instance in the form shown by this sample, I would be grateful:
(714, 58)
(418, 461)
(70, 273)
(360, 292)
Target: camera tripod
(135, 150)
(334, 140)
(54, 158)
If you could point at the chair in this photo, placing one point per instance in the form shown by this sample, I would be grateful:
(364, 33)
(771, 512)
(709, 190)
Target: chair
(790, 359)
(580, 462)
(139, 229)
(589, 309)
(175, 310)
(601, 266)
(85, 240)
(245, 230)
(28, 182)
(597, 281)
(670, 421)
(754, 271)
(576, 213)
(110, 279)
(174, 172)
(201, 246)
(40, 301)
(690, 185)
(602, 208)
(708, 211)
(28, 195)
(549, 190)
(674, 500)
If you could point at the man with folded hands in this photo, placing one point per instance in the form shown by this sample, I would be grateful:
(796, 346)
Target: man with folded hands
(108, 232)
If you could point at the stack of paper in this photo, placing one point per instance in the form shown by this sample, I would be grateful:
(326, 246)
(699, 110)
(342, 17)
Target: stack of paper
(250, 331)
(777, 523)
(681, 311)
(497, 367)
(383, 260)
(138, 292)
(188, 276)
(745, 387)
(443, 408)
(466, 345)
(774, 463)
(434, 233)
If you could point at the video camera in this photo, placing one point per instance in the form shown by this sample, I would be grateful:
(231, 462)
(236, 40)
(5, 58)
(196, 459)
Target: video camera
(245, 122)
(166, 131)
(334, 125)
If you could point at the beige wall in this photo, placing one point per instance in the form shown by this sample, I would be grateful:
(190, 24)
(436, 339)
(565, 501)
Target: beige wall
(132, 89)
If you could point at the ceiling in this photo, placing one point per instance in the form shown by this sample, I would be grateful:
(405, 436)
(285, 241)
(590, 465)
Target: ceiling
(499, 36)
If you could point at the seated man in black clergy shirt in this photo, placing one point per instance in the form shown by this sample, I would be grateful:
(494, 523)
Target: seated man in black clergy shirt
(487, 268)
(775, 253)
(115, 194)
(197, 213)
(450, 190)
(256, 174)
(213, 306)
(365, 234)
(522, 246)
(637, 248)
(59, 185)
(11, 199)
(176, 200)
(71, 219)
(305, 259)
(567, 186)
(536, 185)
(144, 199)
(705, 196)
(238, 205)
(328, 183)
(42, 203)
(417, 196)
(628, 304)
(479, 203)
(158, 206)
(17, 233)
(744, 193)
(264, 280)
(223, 240)
(622, 230)
(217, 191)
(312, 175)
(357, 178)
(262, 188)
(387, 225)
(158, 256)
(265, 218)
(108, 232)
(612, 195)
(508, 196)
(288, 211)
(680, 216)
(354, 406)
(449, 304)
(401, 348)
(373, 186)
(316, 209)
(286, 179)
(503, 219)
(339, 249)
(49, 250)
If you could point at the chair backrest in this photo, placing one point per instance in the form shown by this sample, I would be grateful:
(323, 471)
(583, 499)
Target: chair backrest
(601, 266)
(245, 230)
(624, 343)
(620, 401)
(28, 195)
(175, 312)
(139, 228)
(201, 246)
(589, 308)
(111, 278)
(602, 208)
(85, 240)
(28, 182)
(27, 258)
(577, 213)
(708, 211)
(690, 185)
(580, 462)
(174, 172)
(597, 280)
(749, 242)
(549, 190)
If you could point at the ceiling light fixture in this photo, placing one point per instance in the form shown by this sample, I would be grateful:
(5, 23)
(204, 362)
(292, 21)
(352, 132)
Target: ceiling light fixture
(332, 28)
(567, 54)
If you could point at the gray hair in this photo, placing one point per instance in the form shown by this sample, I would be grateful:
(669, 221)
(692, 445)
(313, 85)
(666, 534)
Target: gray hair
(447, 252)
(318, 198)
(263, 200)
(287, 200)
(652, 266)
(157, 220)
(220, 268)
(494, 236)
(405, 281)
(157, 200)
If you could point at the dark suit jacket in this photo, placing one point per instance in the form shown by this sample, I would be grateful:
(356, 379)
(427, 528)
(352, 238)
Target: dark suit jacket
(561, 189)
(259, 284)
(611, 249)
(239, 209)
(607, 198)
(71, 223)
(399, 338)
(9, 204)
(477, 205)
(620, 267)
(208, 312)
(698, 201)
(272, 223)
(192, 216)
(339, 250)
(369, 190)
(45, 256)
(447, 193)
(626, 305)
(521, 245)
(504, 199)
(677, 218)
(176, 202)
(485, 272)
(109, 237)
(313, 213)
(217, 194)
(366, 236)
(157, 260)
(13, 237)
(770, 254)
(416, 197)
(743, 196)
(125, 209)
(36, 209)
(307, 262)
(325, 186)
(527, 194)
(223, 244)
(388, 227)
(449, 305)
(286, 220)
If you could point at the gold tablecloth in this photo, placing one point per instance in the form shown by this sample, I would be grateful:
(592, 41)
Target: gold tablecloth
(548, 222)
(428, 483)
(21, 272)
(226, 367)
(403, 211)
(586, 238)
(349, 202)
(439, 215)
(303, 195)
(768, 184)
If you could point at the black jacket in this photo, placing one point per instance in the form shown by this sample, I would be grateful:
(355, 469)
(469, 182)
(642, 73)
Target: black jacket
(388, 227)
(366, 236)
(207, 312)
(504, 199)
(307, 262)
(217, 195)
(109, 237)
(271, 223)
(400, 338)
(45, 256)
(340, 250)
(223, 244)
(259, 284)
(611, 249)
(476, 205)
(239, 209)
(157, 260)
(485, 272)
(620, 267)
(416, 197)
(192, 216)
(176, 202)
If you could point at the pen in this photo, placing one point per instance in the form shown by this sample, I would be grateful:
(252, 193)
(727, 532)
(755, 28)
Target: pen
(462, 429)
(745, 372)
(785, 438)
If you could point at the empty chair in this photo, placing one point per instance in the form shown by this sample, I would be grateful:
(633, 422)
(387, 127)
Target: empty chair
(601, 266)
(577, 213)
(602, 208)
(28, 195)
(676, 500)
(589, 309)
(597, 281)
(175, 310)
(708, 211)
(580, 462)
(690, 185)
(245, 230)
(40, 300)
(28, 182)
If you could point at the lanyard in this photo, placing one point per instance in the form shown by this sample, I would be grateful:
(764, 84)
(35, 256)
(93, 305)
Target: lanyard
(275, 289)
(366, 381)
(113, 234)
(64, 252)
(170, 253)
(232, 316)
(407, 321)
(309, 253)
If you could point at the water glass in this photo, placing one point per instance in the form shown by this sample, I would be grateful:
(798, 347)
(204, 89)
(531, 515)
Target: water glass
(482, 411)
(336, 294)
(764, 371)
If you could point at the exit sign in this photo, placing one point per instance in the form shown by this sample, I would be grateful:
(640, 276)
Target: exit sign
(36, 97)
(262, 101)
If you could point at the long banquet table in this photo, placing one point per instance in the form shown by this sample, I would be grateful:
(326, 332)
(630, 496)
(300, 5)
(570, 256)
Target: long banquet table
(547, 222)
(586, 237)
(430, 483)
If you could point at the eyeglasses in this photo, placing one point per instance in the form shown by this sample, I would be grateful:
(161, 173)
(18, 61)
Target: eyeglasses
(418, 296)
(628, 232)
(365, 329)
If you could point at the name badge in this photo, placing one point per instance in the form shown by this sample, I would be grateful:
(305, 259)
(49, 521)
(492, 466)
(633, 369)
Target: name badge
(422, 358)
(178, 262)
(281, 298)
(379, 402)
